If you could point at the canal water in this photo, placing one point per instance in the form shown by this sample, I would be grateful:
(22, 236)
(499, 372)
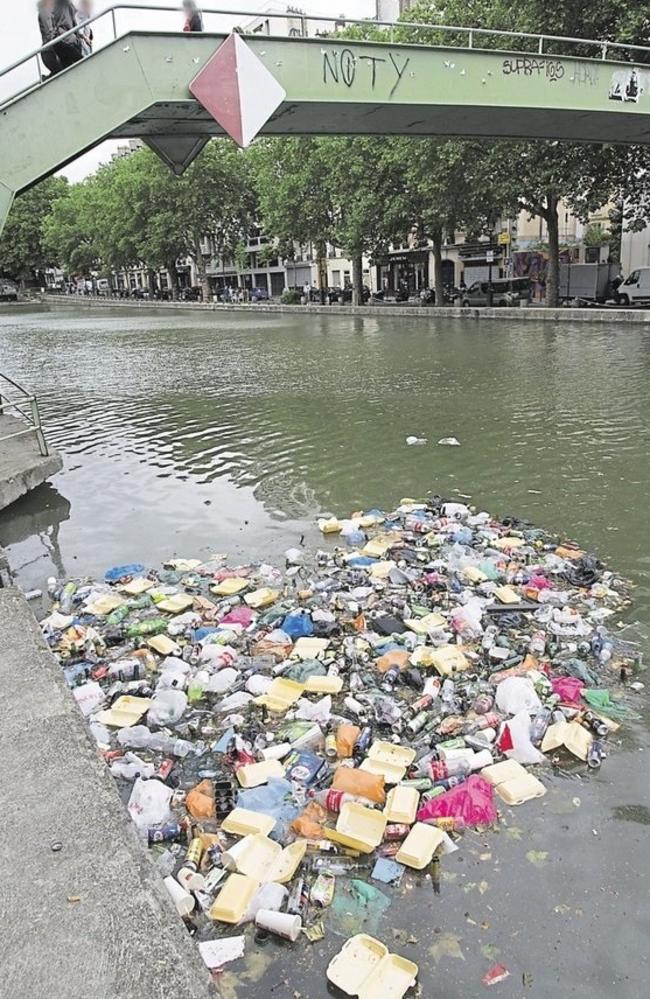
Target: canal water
(187, 433)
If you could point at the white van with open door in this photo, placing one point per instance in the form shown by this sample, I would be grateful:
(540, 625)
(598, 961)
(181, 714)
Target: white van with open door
(635, 290)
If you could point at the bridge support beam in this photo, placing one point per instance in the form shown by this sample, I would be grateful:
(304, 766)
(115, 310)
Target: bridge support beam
(177, 151)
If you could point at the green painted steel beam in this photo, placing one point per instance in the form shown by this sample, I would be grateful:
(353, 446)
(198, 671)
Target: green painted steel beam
(138, 86)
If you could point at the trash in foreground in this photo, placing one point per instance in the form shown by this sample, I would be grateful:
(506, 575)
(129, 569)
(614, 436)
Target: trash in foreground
(282, 738)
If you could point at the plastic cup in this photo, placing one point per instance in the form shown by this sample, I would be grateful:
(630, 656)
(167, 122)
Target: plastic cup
(183, 901)
(282, 924)
(230, 857)
(276, 752)
(190, 880)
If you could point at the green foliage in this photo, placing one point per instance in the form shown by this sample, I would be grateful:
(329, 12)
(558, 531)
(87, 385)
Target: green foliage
(22, 247)
(596, 235)
(290, 296)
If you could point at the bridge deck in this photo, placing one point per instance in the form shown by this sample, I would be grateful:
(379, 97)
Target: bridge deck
(139, 86)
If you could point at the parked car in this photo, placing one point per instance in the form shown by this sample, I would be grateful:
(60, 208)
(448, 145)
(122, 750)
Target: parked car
(635, 290)
(194, 294)
(103, 286)
(345, 294)
(259, 295)
(8, 290)
(505, 291)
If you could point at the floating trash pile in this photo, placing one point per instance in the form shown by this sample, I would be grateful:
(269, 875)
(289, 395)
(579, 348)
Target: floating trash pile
(287, 741)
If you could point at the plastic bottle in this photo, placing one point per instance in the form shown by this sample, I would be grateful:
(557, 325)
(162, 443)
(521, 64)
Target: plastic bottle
(67, 596)
(333, 801)
(150, 626)
(537, 644)
(443, 769)
(489, 636)
(539, 725)
(197, 686)
(118, 615)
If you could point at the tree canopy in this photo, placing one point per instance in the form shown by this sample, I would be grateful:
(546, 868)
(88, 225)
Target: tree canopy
(23, 250)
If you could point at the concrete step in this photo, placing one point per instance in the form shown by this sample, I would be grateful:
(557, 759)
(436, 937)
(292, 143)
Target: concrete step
(22, 466)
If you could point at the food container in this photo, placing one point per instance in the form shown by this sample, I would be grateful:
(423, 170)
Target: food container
(419, 846)
(366, 969)
(242, 822)
(402, 805)
(254, 774)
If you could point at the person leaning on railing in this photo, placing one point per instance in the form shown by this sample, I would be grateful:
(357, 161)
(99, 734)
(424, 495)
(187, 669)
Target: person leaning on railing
(50, 59)
(64, 18)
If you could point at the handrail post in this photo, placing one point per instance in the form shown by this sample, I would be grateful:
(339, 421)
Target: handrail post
(114, 20)
(470, 39)
(39, 68)
(540, 46)
(36, 416)
(604, 51)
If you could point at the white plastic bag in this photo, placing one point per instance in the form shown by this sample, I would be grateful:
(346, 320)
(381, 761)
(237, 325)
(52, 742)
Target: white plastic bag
(320, 712)
(522, 750)
(516, 694)
(167, 707)
(222, 681)
(149, 803)
(173, 674)
(89, 696)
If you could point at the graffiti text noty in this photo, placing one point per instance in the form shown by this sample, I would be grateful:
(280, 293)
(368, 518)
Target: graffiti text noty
(345, 67)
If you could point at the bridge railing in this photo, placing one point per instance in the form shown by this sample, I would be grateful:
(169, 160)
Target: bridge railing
(541, 44)
(27, 406)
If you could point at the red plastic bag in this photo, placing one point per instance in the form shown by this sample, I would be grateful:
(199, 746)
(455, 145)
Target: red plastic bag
(472, 801)
(569, 688)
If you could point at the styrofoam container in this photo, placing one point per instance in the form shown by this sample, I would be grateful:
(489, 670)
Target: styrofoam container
(242, 822)
(324, 685)
(402, 805)
(418, 848)
(281, 695)
(254, 774)
(363, 825)
(388, 761)
(233, 899)
(366, 969)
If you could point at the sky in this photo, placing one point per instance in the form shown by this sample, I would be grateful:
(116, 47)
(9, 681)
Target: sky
(19, 35)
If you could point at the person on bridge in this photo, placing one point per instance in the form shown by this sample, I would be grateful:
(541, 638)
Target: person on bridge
(64, 18)
(50, 59)
(194, 17)
(86, 33)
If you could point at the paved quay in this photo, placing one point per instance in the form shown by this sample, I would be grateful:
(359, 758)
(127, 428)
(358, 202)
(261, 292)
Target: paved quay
(22, 466)
(92, 921)
(534, 314)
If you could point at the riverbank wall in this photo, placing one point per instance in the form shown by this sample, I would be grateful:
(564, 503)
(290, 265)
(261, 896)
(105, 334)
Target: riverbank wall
(531, 314)
(83, 912)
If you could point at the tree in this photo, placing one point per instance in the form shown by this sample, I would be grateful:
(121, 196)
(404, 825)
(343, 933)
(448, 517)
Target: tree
(70, 235)
(541, 175)
(23, 251)
(293, 188)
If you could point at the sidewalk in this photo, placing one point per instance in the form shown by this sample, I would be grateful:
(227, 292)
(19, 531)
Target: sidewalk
(535, 314)
(92, 921)
(22, 466)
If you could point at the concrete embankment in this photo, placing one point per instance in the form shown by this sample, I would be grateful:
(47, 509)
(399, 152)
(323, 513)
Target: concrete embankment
(92, 919)
(531, 314)
(22, 466)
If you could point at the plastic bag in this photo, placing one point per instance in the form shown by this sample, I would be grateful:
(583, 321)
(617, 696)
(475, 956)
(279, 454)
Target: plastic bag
(200, 800)
(466, 621)
(472, 801)
(516, 694)
(569, 688)
(173, 674)
(319, 712)
(167, 707)
(149, 803)
(119, 572)
(360, 782)
(298, 625)
(274, 799)
(515, 742)
(309, 825)
(346, 736)
(89, 696)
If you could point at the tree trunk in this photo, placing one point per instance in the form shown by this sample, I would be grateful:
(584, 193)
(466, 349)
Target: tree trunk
(357, 280)
(151, 279)
(321, 267)
(201, 272)
(439, 289)
(553, 273)
(173, 279)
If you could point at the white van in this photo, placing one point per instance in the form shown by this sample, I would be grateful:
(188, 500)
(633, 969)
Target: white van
(635, 290)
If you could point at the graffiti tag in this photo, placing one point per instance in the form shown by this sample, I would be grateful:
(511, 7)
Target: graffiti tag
(552, 69)
(345, 67)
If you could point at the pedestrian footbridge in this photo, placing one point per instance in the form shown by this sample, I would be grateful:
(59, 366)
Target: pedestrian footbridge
(176, 90)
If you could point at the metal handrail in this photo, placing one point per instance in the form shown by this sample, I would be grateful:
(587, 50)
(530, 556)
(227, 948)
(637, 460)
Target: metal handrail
(471, 33)
(33, 417)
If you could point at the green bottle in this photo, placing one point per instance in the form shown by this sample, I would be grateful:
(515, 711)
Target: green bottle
(151, 626)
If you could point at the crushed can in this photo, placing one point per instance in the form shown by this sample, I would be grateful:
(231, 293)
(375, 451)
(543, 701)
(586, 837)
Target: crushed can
(322, 890)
